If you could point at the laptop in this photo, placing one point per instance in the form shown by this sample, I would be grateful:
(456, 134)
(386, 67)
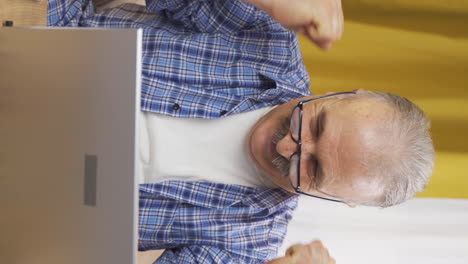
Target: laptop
(69, 100)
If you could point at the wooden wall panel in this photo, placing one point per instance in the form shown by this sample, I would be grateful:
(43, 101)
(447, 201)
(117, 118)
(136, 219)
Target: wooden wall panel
(24, 12)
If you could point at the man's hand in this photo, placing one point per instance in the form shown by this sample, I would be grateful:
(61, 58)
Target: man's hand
(312, 253)
(320, 20)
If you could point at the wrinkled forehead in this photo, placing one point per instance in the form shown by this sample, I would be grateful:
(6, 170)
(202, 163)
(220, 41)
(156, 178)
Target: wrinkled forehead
(357, 133)
(365, 124)
(357, 105)
(368, 113)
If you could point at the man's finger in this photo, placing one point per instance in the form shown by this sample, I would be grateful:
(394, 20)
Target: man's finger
(312, 33)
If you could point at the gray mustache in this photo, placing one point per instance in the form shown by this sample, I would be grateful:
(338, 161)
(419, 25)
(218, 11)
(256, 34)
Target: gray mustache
(280, 162)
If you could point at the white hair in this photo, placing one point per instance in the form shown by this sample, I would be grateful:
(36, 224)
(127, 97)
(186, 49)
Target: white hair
(405, 169)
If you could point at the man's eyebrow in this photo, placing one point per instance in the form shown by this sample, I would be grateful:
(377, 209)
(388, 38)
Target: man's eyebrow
(322, 119)
(321, 122)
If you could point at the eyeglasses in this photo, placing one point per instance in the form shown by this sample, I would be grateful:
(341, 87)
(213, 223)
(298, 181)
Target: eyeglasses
(295, 128)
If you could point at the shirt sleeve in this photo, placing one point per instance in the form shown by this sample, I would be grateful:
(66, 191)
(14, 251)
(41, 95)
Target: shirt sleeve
(196, 254)
(214, 16)
(68, 13)
(202, 222)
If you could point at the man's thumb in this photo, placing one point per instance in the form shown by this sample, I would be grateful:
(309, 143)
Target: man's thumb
(313, 32)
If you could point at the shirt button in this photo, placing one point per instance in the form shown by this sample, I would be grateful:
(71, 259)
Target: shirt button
(176, 107)
(223, 112)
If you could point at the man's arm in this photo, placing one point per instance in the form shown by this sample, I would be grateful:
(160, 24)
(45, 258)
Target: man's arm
(320, 20)
(202, 255)
(68, 13)
(312, 253)
(213, 16)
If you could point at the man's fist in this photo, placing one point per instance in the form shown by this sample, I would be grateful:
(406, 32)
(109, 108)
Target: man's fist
(320, 20)
(312, 253)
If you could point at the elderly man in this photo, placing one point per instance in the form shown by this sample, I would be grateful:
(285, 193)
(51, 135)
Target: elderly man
(231, 133)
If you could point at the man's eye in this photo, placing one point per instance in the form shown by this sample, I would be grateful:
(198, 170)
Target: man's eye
(312, 171)
(316, 170)
(317, 127)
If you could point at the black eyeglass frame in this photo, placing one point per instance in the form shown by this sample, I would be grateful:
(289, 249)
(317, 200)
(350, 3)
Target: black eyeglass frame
(299, 146)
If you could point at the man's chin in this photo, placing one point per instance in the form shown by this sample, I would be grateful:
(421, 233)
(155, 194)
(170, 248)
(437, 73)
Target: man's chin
(261, 161)
(274, 175)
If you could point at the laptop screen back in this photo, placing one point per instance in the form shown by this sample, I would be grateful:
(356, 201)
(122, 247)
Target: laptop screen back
(68, 105)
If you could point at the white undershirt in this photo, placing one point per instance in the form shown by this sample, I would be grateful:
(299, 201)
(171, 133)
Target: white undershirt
(188, 149)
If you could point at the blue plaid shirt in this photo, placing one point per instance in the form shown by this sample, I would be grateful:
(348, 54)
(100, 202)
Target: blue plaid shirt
(206, 59)
(202, 58)
(201, 222)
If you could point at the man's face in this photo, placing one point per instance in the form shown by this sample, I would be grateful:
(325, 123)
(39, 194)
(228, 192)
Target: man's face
(339, 136)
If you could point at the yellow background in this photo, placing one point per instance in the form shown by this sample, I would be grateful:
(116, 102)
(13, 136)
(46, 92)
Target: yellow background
(414, 48)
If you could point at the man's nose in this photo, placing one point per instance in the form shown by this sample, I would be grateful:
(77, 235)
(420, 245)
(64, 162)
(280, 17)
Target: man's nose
(286, 147)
